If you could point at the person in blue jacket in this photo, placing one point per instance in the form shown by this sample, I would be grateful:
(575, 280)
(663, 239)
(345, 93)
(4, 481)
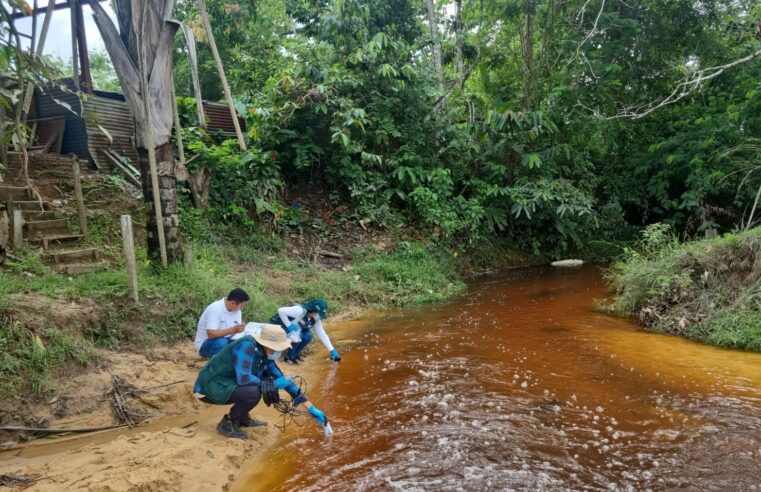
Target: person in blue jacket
(298, 321)
(234, 375)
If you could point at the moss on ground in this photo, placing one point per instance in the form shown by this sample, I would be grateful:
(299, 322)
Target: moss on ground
(708, 290)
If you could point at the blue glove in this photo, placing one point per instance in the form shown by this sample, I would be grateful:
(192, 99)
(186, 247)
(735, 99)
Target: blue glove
(334, 355)
(318, 415)
(282, 382)
(292, 327)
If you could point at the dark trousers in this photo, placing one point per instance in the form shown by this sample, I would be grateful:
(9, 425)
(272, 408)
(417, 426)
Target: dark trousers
(245, 398)
(296, 348)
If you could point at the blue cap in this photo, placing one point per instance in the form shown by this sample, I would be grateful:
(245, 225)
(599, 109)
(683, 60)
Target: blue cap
(317, 305)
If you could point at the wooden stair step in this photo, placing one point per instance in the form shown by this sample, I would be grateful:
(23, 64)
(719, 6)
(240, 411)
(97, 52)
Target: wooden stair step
(47, 241)
(75, 268)
(15, 192)
(46, 225)
(40, 214)
(62, 256)
(29, 205)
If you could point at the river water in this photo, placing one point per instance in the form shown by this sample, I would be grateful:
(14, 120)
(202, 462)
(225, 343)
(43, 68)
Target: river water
(519, 384)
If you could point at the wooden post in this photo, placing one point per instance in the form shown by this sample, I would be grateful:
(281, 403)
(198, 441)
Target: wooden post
(80, 198)
(221, 70)
(150, 146)
(84, 59)
(74, 52)
(129, 256)
(18, 228)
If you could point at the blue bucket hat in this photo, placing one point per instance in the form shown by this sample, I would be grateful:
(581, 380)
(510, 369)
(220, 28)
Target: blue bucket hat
(317, 305)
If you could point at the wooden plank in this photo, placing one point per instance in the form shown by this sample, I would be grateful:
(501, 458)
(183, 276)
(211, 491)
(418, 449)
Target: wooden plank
(75, 254)
(129, 256)
(81, 211)
(44, 225)
(15, 192)
(18, 229)
(132, 174)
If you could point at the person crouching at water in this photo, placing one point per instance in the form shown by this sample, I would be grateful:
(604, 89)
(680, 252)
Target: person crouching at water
(220, 320)
(298, 321)
(235, 376)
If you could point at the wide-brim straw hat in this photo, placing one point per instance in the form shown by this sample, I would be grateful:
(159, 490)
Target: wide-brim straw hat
(273, 336)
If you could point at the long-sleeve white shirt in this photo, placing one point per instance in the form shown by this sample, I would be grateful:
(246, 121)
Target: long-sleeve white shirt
(297, 314)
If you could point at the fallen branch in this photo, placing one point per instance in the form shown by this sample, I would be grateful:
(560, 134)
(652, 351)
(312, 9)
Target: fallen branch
(43, 430)
(331, 254)
(23, 481)
(118, 392)
(149, 388)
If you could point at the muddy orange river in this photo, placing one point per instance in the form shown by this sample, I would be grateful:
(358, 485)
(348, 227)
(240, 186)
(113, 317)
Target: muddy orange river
(521, 384)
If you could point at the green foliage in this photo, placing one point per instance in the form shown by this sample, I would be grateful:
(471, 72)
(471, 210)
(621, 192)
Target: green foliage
(411, 274)
(26, 365)
(706, 290)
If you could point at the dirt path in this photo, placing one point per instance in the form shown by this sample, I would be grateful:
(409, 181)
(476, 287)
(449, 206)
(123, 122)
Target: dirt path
(177, 450)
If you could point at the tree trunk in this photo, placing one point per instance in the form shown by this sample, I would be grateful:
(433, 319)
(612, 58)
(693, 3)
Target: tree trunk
(528, 54)
(433, 26)
(167, 198)
(151, 21)
(458, 39)
(199, 183)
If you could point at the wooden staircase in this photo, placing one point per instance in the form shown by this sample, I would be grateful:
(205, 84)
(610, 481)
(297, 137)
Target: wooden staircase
(48, 229)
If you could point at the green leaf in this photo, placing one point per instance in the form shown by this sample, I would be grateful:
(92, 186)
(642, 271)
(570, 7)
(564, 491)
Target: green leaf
(531, 161)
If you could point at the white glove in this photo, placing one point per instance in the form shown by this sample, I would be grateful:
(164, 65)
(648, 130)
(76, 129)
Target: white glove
(294, 336)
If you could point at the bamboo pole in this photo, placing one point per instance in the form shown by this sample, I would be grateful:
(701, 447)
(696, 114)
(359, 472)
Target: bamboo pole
(149, 141)
(81, 211)
(129, 256)
(221, 70)
(177, 133)
(38, 52)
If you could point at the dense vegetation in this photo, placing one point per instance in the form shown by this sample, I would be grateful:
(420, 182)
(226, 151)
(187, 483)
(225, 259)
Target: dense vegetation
(529, 131)
(705, 290)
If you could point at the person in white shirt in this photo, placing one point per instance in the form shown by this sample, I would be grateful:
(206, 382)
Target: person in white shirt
(220, 320)
(298, 321)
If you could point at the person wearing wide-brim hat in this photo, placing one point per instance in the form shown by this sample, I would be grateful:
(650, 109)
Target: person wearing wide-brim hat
(298, 321)
(234, 376)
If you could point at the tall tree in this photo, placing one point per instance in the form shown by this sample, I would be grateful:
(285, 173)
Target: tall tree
(148, 21)
(433, 26)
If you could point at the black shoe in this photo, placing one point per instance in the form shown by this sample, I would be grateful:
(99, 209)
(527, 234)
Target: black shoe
(290, 360)
(249, 422)
(227, 428)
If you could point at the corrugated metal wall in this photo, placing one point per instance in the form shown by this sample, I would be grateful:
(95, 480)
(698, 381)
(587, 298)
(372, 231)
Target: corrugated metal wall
(218, 118)
(114, 116)
(74, 136)
(109, 110)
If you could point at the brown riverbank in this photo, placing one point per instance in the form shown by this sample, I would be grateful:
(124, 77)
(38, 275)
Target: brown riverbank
(177, 450)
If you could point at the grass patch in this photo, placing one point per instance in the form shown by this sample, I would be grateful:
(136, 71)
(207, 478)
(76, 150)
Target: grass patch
(172, 299)
(708, 290)
(27, 365)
